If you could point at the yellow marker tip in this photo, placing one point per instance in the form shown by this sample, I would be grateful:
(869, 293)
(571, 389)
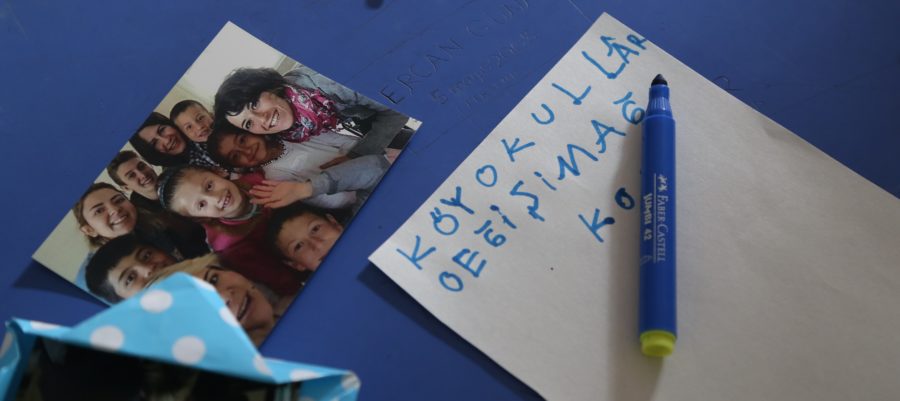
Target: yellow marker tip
(657, 343)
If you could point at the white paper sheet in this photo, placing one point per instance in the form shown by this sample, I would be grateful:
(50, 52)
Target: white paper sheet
(789, 280)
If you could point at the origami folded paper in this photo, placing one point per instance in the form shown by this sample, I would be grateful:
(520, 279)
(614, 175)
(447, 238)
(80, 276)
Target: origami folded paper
(183, 322)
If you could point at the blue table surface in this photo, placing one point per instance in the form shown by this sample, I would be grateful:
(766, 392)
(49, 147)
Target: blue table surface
(77, 76)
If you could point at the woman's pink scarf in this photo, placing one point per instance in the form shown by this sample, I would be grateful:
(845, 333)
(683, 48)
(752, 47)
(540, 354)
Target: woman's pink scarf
(313, 113)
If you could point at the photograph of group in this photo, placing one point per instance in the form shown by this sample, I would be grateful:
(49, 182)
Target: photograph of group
(244, 176)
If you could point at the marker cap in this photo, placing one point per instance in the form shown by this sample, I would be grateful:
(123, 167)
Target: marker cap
(657, 343)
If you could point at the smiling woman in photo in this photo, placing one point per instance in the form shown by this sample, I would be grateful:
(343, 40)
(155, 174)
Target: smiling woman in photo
(160, 142)
(255, 307)
(302, 104)
(104, 213)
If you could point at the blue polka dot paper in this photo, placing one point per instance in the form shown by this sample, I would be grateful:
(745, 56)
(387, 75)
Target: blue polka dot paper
(181, 321)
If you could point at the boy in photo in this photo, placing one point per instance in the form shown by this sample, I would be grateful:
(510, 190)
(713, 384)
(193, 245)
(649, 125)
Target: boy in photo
(193, 119)
(122, 267)
(302, 235)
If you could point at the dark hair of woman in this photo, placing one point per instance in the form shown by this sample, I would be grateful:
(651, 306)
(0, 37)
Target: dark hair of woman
(243, 87)
(149, 153)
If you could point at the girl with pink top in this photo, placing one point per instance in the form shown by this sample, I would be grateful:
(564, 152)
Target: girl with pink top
(235, 227)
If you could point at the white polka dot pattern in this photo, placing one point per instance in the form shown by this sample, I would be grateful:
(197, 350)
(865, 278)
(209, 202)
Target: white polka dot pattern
(108, 337)
(156, 301)
(189, 350)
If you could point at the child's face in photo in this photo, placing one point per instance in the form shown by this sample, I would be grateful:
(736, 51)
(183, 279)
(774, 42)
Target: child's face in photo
(251, 309)
(137, 175)
(130, 275)
(244, 150)
(270, 114)
(108, 214)
(206, 194)
(164, 138)
(306, 239)
(195, 122)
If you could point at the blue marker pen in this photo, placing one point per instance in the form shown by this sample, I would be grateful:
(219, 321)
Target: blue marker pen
(657, 262)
